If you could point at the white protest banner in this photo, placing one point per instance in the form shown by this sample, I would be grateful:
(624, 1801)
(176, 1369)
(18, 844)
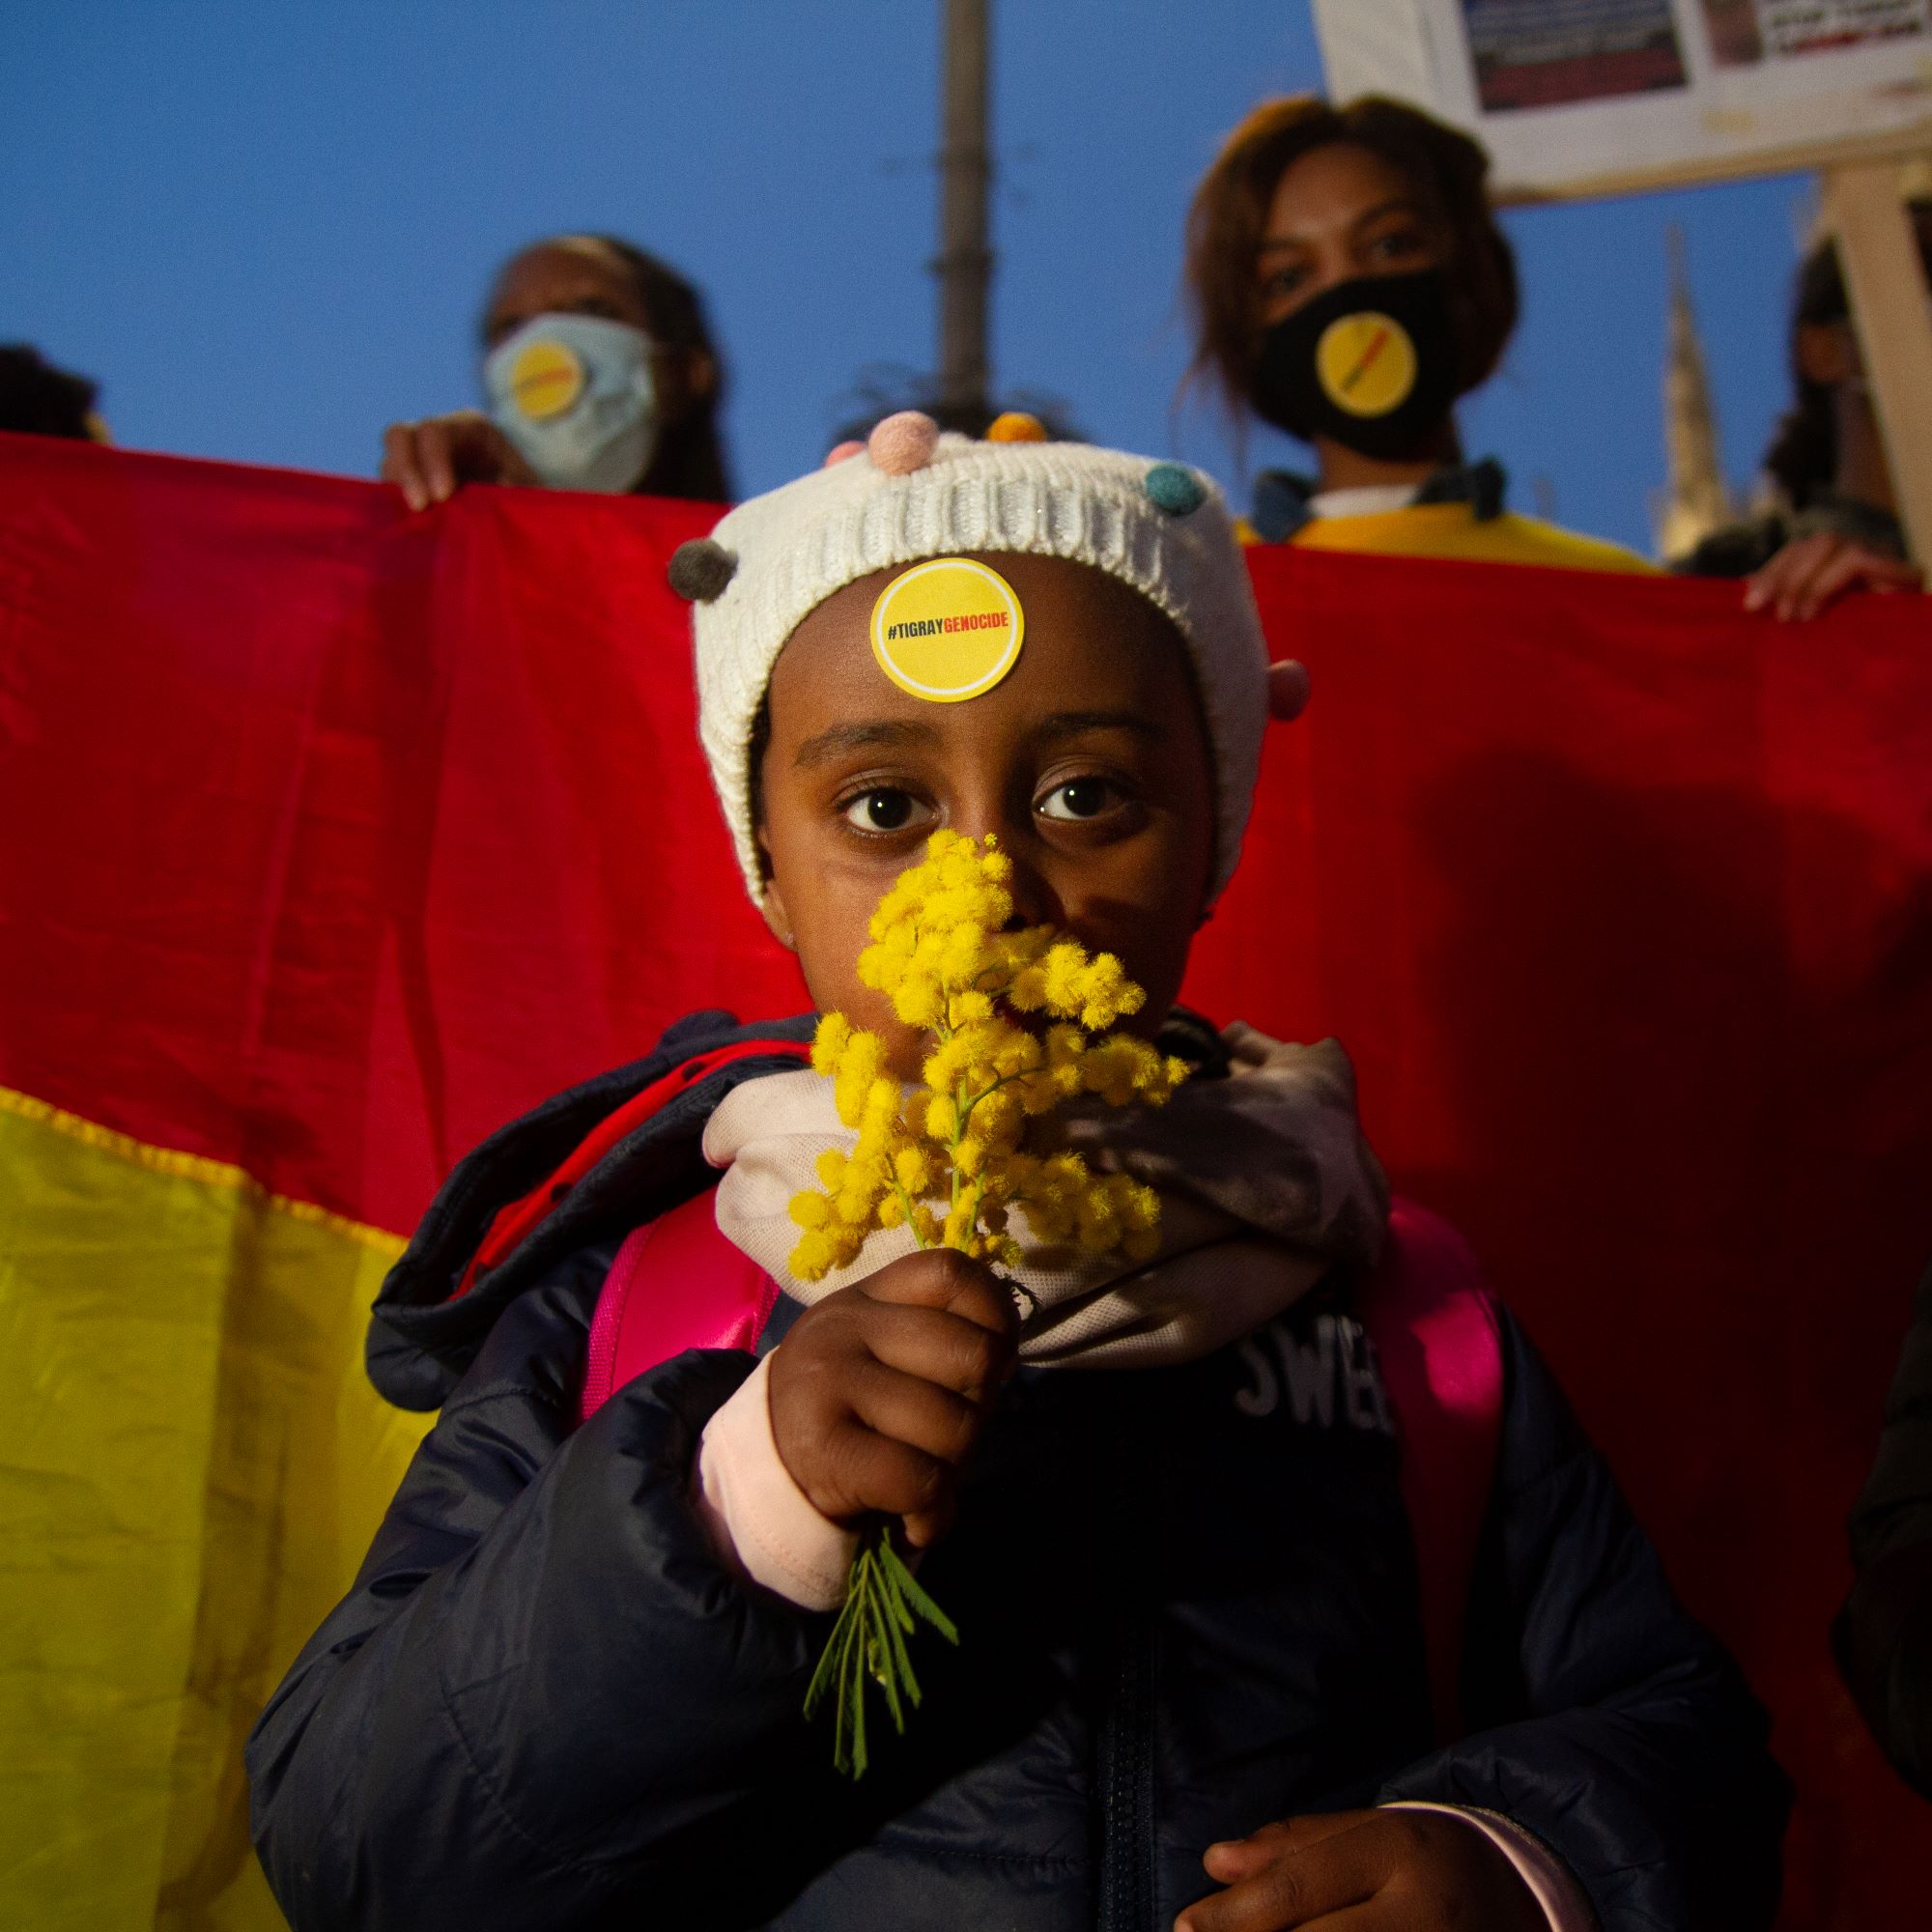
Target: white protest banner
(1593, 97)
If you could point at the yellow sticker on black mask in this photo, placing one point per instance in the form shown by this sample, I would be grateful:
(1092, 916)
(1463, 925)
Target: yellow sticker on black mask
(1366, 362)
(948, 630)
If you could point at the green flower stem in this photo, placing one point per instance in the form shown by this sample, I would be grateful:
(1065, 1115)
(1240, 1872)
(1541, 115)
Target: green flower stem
(905, 1202)
(867, 1646)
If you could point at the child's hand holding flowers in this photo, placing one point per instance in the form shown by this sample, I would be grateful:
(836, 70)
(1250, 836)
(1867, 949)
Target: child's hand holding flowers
(881, 1389)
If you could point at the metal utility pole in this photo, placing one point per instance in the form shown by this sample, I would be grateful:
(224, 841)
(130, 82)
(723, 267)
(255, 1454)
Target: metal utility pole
(964, 264)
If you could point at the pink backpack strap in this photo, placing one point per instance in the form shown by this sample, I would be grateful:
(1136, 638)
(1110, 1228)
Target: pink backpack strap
(676, 1284)
(1433, 1322)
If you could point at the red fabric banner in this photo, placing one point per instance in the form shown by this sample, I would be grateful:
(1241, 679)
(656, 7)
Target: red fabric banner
(336, 836)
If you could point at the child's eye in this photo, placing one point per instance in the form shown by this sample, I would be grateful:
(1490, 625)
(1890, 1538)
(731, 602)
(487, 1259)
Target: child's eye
(1078, 799)
(884, 809)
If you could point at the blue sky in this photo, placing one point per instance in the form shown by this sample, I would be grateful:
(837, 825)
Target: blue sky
(266, 227)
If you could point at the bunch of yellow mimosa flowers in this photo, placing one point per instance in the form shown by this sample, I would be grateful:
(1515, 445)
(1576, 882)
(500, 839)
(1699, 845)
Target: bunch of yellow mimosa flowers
(950, 1158)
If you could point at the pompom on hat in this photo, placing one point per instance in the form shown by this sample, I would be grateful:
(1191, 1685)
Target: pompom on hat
(911, 494)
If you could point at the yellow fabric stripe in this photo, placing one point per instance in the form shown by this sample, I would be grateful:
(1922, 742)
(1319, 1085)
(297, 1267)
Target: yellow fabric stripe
(193, 1167)
(191, 1465)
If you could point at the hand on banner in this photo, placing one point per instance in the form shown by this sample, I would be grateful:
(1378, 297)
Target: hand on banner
(1812, 572)
(1288, 690)
(429, 460)
(1419, 1871)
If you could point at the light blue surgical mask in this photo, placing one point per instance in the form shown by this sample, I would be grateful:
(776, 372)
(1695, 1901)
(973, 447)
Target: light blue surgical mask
(573, 393)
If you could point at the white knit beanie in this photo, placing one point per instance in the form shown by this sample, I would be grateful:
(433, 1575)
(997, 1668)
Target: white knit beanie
(911, 494)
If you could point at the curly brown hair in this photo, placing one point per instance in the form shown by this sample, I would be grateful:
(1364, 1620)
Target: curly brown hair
(1448, 173)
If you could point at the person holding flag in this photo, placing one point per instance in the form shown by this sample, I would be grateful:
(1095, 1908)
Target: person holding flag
(1833, 527)
(601, 375)
(1350, 284)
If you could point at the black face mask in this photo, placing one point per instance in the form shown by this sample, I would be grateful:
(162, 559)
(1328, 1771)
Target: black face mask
(1370, 364)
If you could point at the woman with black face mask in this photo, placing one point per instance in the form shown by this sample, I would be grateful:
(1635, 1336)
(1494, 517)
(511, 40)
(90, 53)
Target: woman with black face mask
(1350, 283)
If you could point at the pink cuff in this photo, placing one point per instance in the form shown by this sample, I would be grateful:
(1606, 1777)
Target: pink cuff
(758, 1519)
(1547, 1876)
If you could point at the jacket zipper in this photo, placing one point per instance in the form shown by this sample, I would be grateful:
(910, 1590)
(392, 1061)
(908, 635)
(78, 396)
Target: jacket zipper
(1126, 1785)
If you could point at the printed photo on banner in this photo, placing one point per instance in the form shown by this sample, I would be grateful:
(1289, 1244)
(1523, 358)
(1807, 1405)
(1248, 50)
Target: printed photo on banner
(1527, 53)
(1595, 97)
(1746, 31)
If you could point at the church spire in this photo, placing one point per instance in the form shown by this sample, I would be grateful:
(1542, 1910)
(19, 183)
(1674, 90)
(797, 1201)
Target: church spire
(1696, 501)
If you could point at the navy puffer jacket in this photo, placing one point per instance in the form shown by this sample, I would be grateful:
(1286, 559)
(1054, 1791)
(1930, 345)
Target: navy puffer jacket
(1188, 1599)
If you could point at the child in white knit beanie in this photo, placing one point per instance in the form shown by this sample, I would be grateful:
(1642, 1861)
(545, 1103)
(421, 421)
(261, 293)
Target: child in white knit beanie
(1058, 646)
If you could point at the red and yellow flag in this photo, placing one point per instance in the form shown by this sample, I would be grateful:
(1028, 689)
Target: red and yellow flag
(336, 836)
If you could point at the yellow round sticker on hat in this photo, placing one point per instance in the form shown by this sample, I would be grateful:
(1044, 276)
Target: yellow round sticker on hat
(545, 378)
(948, 630)
(1366, 363)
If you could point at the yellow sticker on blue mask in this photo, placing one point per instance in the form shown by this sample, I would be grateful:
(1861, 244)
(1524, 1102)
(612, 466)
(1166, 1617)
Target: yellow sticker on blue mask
(545, 378)
(948, 630)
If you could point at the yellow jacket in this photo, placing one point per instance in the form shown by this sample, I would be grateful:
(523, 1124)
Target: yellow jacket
(1453, 531)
